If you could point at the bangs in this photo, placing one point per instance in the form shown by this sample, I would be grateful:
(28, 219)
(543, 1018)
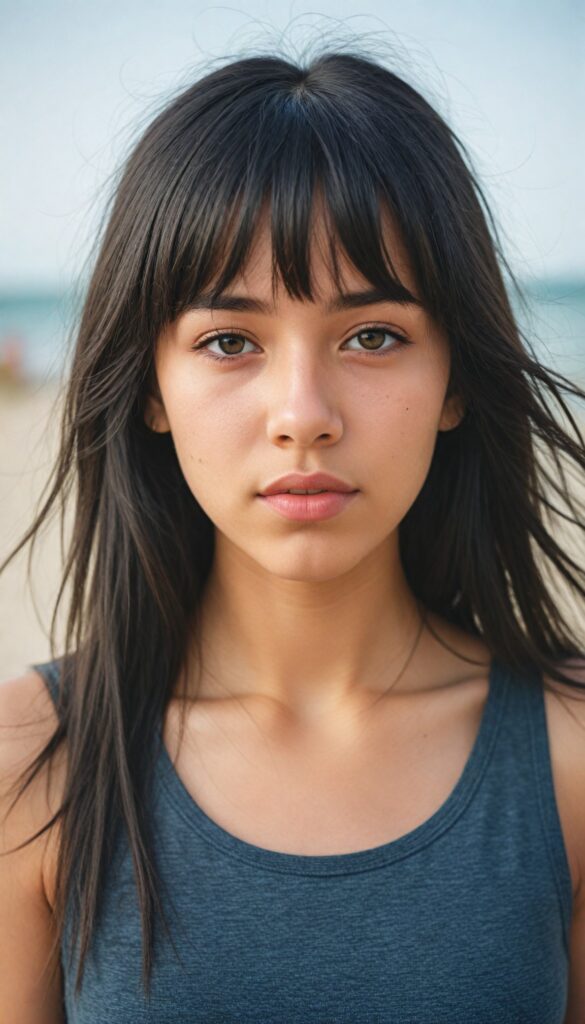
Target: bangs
(301, 160)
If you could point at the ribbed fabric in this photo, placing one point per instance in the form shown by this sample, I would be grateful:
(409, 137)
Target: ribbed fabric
(463, 920)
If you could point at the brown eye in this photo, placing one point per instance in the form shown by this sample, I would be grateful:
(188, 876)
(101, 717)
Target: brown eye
(371, 339)
(228, 343)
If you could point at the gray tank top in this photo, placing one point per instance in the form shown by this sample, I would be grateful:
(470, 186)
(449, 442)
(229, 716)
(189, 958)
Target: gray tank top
(463, 920)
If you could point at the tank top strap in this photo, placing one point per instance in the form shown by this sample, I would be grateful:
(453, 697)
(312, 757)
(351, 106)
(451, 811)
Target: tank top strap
(528, 743)
(51, 673)
(542, 761)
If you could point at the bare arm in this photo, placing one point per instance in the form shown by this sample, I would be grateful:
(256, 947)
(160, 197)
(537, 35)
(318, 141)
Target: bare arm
(30, 984)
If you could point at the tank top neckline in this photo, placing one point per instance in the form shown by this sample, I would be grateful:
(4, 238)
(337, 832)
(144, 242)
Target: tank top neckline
(360, 860)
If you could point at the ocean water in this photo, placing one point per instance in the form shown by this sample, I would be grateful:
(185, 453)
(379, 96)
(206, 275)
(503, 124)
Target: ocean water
(34, 328)
(33, 331)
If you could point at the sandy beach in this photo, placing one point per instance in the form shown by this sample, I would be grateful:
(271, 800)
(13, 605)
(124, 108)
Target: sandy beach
(28, 446)
(29, 425)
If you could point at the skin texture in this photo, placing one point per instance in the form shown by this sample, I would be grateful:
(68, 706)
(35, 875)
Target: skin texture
(314, 617)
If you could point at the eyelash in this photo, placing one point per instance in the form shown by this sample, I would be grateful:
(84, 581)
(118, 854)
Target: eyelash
(204, 344)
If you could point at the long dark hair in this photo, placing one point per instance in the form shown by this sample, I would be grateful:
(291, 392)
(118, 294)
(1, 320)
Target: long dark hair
(478, 541)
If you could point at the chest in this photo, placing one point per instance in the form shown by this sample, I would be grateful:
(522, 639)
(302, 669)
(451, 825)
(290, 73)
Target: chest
(321, 794)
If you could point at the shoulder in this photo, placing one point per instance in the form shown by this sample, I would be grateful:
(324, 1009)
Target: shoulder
(28, 930)
(28, 719)
(24, 695)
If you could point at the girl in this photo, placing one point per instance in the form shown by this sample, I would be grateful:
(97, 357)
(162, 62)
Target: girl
(305, 757)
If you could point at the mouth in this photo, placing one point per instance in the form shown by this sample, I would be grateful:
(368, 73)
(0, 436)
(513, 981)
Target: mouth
(308, 507)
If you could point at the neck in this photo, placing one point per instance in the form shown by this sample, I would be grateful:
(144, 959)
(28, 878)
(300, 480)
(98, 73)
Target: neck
(309, 646)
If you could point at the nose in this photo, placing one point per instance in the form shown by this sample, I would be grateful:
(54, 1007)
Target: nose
(302, 407)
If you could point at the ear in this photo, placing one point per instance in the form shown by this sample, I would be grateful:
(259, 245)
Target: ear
(452, 413)
(155, 416)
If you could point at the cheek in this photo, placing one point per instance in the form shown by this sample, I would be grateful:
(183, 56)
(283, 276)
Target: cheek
(399, 435)
(404, 418)
(209, 436)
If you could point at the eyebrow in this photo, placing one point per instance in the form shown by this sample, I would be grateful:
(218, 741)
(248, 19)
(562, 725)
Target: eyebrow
(346, 300)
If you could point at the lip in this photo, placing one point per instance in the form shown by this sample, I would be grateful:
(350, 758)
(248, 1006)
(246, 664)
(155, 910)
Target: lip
(309, 507)
(310, 482)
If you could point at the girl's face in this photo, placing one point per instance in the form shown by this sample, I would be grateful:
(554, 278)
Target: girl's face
(303, 388)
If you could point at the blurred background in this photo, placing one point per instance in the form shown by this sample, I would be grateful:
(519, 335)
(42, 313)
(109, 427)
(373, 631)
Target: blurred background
(79, 80)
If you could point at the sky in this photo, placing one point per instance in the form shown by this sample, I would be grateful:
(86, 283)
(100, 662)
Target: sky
(79, 77)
